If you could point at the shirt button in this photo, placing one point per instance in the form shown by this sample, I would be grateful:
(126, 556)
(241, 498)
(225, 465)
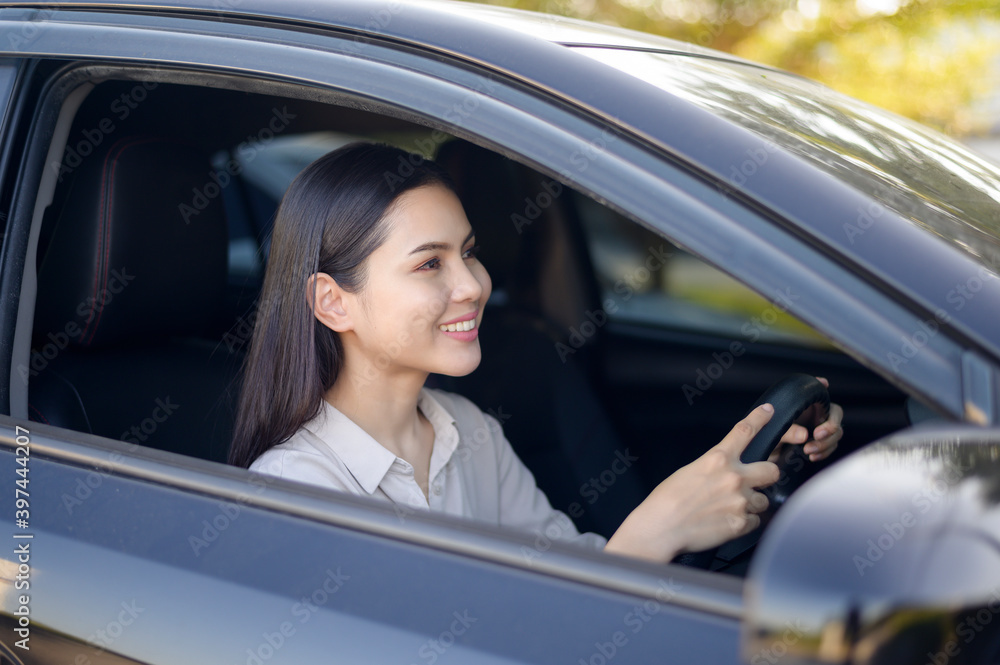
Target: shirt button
(437, 490)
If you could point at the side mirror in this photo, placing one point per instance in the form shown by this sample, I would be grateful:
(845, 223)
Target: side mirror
(890, 556)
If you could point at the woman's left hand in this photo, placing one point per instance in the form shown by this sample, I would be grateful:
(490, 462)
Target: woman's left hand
(825, 436)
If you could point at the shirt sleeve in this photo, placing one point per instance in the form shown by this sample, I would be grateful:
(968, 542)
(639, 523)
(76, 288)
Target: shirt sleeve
(524, 506)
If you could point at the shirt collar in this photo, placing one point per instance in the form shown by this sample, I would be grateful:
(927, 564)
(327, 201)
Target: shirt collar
(366, 459)
(445, 431)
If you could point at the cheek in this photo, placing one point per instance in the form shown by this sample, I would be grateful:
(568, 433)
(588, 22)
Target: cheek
(424, 309)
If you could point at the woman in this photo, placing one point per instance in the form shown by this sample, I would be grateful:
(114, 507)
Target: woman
(372, 283)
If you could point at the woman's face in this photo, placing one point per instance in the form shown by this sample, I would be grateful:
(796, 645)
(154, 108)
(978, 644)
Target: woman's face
(424, 291)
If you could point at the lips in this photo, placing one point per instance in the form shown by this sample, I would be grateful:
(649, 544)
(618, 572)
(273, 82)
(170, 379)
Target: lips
(463, 323)
(463, 328)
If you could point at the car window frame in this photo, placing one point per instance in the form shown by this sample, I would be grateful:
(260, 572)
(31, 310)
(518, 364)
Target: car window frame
(542, 131)
(643, 171)
(522, 121)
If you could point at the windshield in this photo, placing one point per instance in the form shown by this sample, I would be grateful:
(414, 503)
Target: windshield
(922, 175)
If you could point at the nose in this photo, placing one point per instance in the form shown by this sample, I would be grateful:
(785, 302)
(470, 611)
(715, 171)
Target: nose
(469, 283)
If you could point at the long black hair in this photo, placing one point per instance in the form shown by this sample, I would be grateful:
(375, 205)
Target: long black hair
(329, 221)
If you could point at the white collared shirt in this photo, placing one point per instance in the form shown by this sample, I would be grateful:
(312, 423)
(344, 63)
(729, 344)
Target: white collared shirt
(474, 472)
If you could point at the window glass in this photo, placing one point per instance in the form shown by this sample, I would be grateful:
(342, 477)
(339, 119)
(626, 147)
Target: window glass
(654, 282)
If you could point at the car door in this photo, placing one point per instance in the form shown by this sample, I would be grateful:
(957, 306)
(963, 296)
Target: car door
(127, 554)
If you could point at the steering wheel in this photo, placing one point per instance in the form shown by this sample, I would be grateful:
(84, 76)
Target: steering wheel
(797, 398)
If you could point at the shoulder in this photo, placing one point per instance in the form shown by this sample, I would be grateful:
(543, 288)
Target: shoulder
(304, 458)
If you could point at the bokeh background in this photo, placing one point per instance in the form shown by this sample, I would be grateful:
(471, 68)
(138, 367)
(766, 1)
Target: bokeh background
(936, 61)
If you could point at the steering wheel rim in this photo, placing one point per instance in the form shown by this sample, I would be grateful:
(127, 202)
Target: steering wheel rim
(795, 398)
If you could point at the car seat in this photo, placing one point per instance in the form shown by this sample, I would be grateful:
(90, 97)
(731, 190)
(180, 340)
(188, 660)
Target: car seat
(129, 326)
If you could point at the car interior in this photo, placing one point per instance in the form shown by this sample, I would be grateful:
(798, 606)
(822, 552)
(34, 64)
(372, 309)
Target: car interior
(601, 338)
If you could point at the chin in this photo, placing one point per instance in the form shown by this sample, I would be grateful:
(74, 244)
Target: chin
(461, 368)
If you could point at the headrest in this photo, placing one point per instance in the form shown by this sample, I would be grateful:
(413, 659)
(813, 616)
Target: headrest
(138, 246)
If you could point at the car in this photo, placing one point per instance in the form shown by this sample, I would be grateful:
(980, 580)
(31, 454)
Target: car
(670, 230)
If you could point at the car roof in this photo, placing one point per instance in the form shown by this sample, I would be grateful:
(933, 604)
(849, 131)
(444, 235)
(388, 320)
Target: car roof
(512, 25)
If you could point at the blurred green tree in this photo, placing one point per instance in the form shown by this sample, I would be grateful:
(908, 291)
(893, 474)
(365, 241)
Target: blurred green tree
(930, 60)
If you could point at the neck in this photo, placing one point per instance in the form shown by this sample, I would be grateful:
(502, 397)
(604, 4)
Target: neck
(382, 404)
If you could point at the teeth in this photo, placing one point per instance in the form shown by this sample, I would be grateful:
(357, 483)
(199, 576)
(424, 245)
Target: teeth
(461, 326)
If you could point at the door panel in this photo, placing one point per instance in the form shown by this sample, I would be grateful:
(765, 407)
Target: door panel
(120, 566)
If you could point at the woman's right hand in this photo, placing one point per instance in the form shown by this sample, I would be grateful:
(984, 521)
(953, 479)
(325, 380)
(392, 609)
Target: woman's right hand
(704, 504)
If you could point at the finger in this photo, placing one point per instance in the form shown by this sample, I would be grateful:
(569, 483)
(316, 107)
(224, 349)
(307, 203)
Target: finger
(831, 423)
(795, 434)
(831, 429)
(757, 503)
(824, 450)
(743, 524)
(740, 436)
(761, 474)
(825, 382)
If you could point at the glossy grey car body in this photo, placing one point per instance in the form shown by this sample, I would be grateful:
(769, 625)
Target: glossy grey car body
(889, 238)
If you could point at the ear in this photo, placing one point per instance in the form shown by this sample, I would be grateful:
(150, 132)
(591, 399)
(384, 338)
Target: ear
(328, 303)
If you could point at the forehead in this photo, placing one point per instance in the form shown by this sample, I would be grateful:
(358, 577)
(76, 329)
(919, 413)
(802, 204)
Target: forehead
(426, 214)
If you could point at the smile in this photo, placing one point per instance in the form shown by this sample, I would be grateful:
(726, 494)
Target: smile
(461, 326)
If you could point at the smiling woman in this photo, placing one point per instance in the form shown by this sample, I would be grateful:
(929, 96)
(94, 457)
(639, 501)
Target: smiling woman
(372, 285)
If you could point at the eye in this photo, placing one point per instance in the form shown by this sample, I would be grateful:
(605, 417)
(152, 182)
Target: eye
(432, 264)
(471, 253)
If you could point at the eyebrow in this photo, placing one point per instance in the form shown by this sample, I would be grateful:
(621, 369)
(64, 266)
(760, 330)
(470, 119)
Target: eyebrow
(439, 246)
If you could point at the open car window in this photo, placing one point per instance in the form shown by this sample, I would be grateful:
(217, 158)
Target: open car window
(651, 281)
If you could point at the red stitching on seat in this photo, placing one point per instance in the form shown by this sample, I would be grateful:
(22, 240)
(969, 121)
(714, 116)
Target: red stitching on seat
(107, 194)
(32, 407)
